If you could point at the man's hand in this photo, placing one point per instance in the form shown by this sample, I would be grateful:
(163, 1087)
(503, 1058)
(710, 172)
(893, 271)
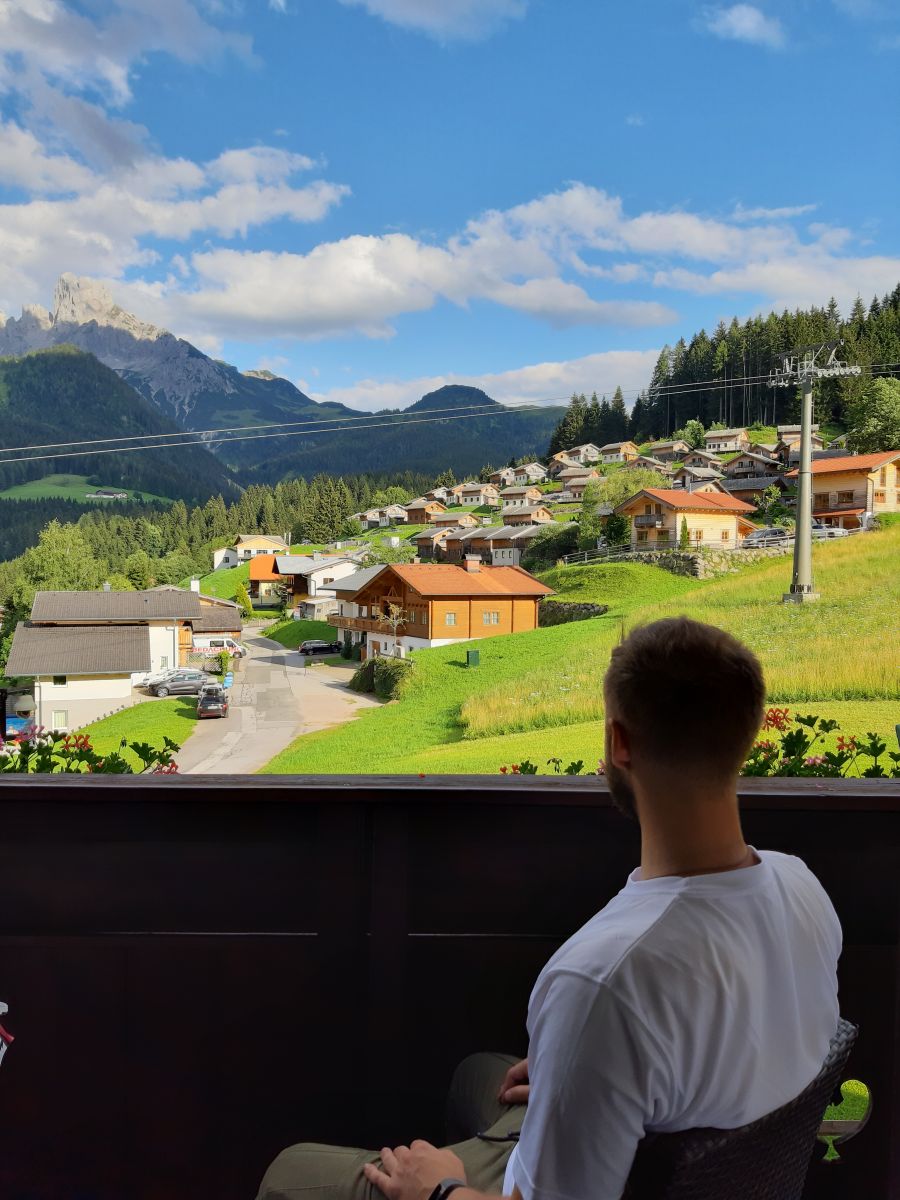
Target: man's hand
(413, 1172)
(515, 1087)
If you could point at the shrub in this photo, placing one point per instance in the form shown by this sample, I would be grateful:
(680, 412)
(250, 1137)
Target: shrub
(390, 675)
(364, 677)
(44, 752)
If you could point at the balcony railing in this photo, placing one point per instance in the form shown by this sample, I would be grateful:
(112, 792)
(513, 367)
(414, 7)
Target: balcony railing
(649, 521)
(201, 971)
(363, 624)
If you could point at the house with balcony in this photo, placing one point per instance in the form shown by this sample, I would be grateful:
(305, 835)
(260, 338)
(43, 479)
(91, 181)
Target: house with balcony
(264, 581)
(422, 511)
(530, 472)
(696, 479)
(647, 462)
(575, 487)
(748, 463)
(392, 514)
(526, 514)
(525, 494)
(559, 463)
(788, 444)
(441, 603)
(429, 542)
(751, 488)
(247, 546)
(671, 451)
(310, 580)
(701, 458)
(585, 454)
(455, 520)
(479, 494)
(618, 452)
(714, 520)
(504, 477)
(849, 490)
(86, 651)
(726, 441)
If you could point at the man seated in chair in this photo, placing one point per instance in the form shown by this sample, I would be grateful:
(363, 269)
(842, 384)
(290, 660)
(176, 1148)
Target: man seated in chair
(703, 994)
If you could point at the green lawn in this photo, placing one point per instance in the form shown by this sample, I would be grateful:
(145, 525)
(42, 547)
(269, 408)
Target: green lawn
(291, 633)
(69, 487)
(536, 694)
(148, 721)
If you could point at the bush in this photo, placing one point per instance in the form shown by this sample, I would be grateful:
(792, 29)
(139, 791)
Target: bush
(390, 675)
(364, 677)
(549, 546)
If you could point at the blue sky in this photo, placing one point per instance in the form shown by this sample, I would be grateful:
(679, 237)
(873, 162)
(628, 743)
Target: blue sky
(373, 197)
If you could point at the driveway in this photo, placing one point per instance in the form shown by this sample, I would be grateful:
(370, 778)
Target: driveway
(275, 698)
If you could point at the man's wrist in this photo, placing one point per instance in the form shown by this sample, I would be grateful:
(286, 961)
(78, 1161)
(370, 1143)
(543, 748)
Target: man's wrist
(446, 1188)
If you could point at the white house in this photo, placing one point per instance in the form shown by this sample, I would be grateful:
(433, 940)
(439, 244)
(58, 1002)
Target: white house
(246, 545)
(310, 578)
(85, 651)
(615, 452)
(725, 441)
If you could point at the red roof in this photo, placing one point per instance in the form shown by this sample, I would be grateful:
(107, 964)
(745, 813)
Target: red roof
(446, 579)
(681, 499)
(849, 462)
(262, 568)
(839, 512)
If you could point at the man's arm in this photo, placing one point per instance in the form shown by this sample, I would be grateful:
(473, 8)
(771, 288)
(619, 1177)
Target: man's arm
(413, 1172)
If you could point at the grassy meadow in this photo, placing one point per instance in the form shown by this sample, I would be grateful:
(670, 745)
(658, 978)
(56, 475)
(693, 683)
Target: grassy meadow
(149, 721)
(537, 695)
(69, 487)
(291, 633)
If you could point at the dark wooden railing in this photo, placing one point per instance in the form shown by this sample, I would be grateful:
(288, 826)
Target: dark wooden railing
(201, 971)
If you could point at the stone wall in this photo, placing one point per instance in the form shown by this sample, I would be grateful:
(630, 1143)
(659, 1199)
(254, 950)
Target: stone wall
(706, 564)
(558, 612)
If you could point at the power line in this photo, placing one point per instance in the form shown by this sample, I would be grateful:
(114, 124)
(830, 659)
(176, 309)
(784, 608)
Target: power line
(205, 437)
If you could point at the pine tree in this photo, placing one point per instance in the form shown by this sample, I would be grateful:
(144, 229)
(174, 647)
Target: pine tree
(618, 417)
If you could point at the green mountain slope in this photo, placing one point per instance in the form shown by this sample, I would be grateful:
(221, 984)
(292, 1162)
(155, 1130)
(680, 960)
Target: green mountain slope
(416, 440)
(65, 395)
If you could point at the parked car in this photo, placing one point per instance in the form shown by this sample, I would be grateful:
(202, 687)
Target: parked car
(773, 535)
(212, 702)
(318, 647)
(185, 682)
(820, 530)
(154, 677)
(215, 643)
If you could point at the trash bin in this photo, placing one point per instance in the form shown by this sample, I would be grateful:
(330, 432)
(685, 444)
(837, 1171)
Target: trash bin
(473, 657)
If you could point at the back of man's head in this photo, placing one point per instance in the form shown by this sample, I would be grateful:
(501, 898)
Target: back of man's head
(689, 697)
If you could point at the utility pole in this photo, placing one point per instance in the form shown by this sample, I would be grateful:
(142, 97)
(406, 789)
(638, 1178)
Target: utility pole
(804, 366)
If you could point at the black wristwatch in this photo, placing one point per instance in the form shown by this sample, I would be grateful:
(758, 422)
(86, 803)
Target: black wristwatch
(445, 1187)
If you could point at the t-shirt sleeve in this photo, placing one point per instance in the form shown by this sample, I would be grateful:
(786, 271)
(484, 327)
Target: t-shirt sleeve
(597, 1076)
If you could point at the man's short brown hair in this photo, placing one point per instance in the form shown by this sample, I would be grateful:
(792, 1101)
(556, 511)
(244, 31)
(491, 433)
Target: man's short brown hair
(686, 693)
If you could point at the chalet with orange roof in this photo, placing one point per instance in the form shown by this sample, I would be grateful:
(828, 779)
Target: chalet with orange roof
(438, 604)
(714, 520)
(850, 489)
(264, 580)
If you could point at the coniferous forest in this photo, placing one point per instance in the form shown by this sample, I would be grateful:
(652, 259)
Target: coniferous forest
(724, 377)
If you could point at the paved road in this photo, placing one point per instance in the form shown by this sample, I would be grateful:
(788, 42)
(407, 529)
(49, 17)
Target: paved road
(275, 698)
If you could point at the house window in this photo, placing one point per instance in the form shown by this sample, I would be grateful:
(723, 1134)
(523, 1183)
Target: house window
(725, 535)
(363, 610)
(821, 499)
(662, 535)
(845, 497)
(450, 618)
(490, 618)
(59, 718)
(698, 535)
(642, 535)
(328, 579)
(882, 477)
(59, 680)
(163, 662)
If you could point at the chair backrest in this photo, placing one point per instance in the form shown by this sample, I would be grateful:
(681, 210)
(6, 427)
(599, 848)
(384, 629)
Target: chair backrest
(765, 1160)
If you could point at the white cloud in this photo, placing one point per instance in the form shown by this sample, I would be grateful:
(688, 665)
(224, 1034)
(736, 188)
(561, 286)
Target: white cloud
(772, 214)
(745, 23)
(445, 19)
(524, 385)
(635, 119)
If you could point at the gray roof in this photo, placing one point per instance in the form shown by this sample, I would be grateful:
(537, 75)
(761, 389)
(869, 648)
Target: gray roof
(115, 606)
(520, 508)
(751, 483)
(701, 472)
(518, 491)
(358, 580)
(302, 564)
(720, 433)
(783, 429)
(218, 600)
(218, 620)
(79, 650)
(430, 532)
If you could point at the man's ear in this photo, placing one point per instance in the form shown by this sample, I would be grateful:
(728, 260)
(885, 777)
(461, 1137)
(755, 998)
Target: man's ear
(619, 744)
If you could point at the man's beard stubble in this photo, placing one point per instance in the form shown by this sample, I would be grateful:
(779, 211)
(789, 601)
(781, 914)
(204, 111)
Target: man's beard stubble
(620, 790)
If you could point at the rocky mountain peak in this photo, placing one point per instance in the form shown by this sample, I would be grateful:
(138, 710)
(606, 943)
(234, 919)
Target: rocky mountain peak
(77, 300)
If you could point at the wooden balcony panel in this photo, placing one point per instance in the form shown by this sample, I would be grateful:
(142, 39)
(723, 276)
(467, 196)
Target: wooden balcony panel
(201, 971)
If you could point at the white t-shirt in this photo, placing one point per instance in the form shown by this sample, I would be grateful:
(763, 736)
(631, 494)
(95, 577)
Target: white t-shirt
(686, 1002)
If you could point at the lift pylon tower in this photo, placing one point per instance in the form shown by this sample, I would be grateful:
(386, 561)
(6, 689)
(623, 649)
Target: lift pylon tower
(804, 366)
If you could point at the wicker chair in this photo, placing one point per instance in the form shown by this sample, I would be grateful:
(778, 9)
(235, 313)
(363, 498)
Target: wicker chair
(766, 1160)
